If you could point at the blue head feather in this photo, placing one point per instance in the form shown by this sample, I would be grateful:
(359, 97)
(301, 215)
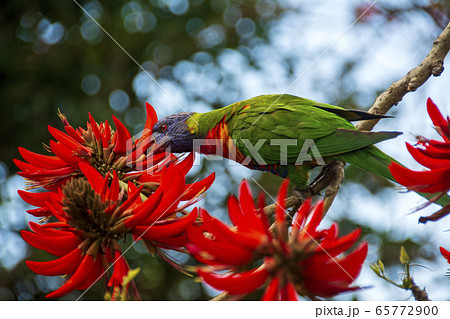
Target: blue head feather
(172, 131)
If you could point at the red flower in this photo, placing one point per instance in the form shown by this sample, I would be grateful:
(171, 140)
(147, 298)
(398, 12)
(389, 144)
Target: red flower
(93, 217)
(101, 147)
(103, 187)
(434, 155)
(304, 261)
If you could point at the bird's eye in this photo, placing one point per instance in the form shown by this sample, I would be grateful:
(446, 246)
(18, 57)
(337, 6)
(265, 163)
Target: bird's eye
(163, 128)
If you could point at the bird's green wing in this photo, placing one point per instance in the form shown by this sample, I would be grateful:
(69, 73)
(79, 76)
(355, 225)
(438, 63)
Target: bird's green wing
(296, 120)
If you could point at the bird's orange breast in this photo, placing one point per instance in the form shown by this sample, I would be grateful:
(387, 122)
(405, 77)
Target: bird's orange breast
(218, 142)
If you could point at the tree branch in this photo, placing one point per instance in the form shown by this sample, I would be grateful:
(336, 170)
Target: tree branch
(433, 64)
(419, 294)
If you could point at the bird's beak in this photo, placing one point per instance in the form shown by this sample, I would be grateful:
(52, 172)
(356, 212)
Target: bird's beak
(160, 142)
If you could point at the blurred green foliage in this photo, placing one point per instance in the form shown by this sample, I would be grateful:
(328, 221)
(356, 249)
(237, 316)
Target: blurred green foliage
(49, 47)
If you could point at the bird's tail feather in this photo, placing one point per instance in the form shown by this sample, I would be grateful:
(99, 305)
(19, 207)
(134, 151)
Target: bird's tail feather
(374, 160)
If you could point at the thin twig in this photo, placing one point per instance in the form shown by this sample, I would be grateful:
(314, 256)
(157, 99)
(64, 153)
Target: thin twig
(221, 297)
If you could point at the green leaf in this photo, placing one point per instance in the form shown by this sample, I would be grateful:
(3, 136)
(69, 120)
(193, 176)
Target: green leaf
(132, 273)
(376, 269)
(404, 258)
(381, 265)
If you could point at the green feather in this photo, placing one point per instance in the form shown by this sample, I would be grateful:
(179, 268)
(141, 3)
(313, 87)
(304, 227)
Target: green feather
(275, 117)
(352, 115)
(375, 161)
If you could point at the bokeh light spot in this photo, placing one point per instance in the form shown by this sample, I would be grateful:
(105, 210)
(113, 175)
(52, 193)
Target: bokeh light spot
(194, 26)
(211, 36)
(231, 16)
(91, 32)
(135, 117)
(119, 100)
(162, 54)
(4, 172)
(130, 7)
(265, 7)
(95, 9)
(245, 28)
(178, 7)
(53, 34)
(91, 84)
(139, 22)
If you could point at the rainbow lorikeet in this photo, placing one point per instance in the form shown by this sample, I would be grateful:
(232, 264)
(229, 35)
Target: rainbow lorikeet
(282, 134)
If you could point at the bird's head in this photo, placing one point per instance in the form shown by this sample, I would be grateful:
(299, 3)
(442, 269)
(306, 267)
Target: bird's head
(173, 131)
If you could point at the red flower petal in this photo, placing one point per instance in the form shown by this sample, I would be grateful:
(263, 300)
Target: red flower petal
(143, 211)
(425, 160)
(239, 284)
(248, 208)
(316, 218)
(94, 127)
(335, 276)
(197, 188)
(152, 118)
(86, 274)
(243, 213)
(73, 134)
(247, 239)
(39, 199)
(336, 246)
(409, 177)
(222, 251)
(437, 150)
(57, 246)
(51, 229)
(39, 212)
(172, 184)
(61, 266)
(69, 142)
(236, 215)
(281, 200)
(445, 253)
(302, 214)
(115, 188)
(132, 197)
(288, 293)
(107, 131)
(173, 242)
(271, 293)
(44, 161)
(123, 137)
(64, 153)
(120, 270)
(185, 165)
(437, 118)
(93, 176)
(174, 228)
